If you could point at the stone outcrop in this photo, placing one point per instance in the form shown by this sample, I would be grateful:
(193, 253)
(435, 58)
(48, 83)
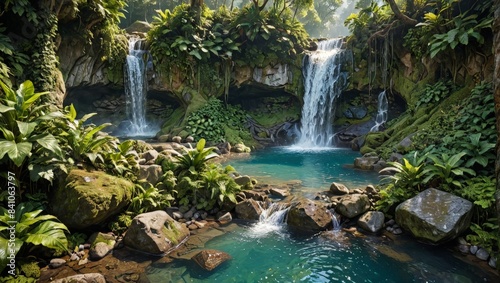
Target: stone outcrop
(338, 189)
(309, 216)
(90, 198)
(210, 259)
(353, 205)
(434, 216)
(155, 233)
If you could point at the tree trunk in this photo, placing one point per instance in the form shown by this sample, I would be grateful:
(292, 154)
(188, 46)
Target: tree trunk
(496, 91)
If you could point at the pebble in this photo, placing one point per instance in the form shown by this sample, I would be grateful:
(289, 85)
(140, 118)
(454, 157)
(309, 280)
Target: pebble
(397, 231)
(83, 261)
(463, 249)
(57, 262)
(473, 249)
(390, 222)
(81, 247)
(74, 257)
(482, 254)
(492, 262)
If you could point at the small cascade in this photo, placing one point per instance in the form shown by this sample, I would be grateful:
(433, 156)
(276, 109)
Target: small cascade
(383, 106)
(136, 88)
(271, 220)
(323, 83)
(335, 221)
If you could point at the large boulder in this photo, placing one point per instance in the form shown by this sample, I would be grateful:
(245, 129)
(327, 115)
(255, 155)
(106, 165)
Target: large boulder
(155, 233)
(150, 173)
(309, 216)
(353, 205)
(210, 259)
(86, 199)
(434, 216)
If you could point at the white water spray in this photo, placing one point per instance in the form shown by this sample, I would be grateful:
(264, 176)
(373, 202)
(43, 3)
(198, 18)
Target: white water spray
(136, 88)
(323, 83)
(271, 220)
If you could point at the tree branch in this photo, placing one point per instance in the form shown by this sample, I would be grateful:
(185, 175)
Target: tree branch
(402, 17)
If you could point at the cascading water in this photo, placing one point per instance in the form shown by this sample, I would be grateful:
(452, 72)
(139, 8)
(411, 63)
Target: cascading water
(381, 118)
(271, 220)
(323, 83)
(136, 88)
(383, 103)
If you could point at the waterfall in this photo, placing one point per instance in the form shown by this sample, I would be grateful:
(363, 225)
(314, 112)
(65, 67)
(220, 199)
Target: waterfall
(271, 220)
(382, 107)
(136, 88)
(323, 83)
(335, 221)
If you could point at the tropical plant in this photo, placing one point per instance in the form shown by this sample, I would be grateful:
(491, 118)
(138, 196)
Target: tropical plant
(209, 122)
(148, 199)
(480, 191)
(407, 180)
(435, 93)
(32, 229)
(446, 170)
(485, 236)
(217, 187)
(194, 161)
(478, 151)
(23, 138)
(123, 161)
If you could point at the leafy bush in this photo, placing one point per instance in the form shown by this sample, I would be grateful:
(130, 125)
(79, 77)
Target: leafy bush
(407, 181)
(435, 93)
(210, 121)
(32, 229)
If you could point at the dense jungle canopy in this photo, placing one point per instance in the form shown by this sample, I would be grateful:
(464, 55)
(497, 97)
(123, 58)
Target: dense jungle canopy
(442, 57)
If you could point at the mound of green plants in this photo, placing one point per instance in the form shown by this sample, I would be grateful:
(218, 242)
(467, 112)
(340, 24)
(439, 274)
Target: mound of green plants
(217, 123)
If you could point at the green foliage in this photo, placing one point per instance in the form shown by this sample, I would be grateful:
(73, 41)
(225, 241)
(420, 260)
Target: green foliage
(194, 161)
(464, 29)
(407, 181)
(485, 236)
(148, 199)
(23, 137)
(446, 171)
(480, 191)
(121, 223)
(433, 94)
(32, 229)
(210, 121)
(200, 183)
(75, 240)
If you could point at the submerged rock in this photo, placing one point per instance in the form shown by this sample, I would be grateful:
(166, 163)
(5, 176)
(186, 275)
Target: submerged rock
(210, 259)
(434, 216)
(155, 233)
(89, 198)
(309, 216)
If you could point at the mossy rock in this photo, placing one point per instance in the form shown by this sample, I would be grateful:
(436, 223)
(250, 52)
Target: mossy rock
(86, 199)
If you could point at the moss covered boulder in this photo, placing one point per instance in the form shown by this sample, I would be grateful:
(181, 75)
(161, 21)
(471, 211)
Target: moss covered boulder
(86, 199)
(434, 216)
(155, 233)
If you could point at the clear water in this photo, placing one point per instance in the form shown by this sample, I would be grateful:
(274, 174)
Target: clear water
(267, 252)
(277, 256)
(316, 168)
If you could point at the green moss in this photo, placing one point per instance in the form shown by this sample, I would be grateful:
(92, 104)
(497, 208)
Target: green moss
(30, 269)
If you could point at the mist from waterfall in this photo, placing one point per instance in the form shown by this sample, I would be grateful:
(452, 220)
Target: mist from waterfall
(136, 88)
(324, 80)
